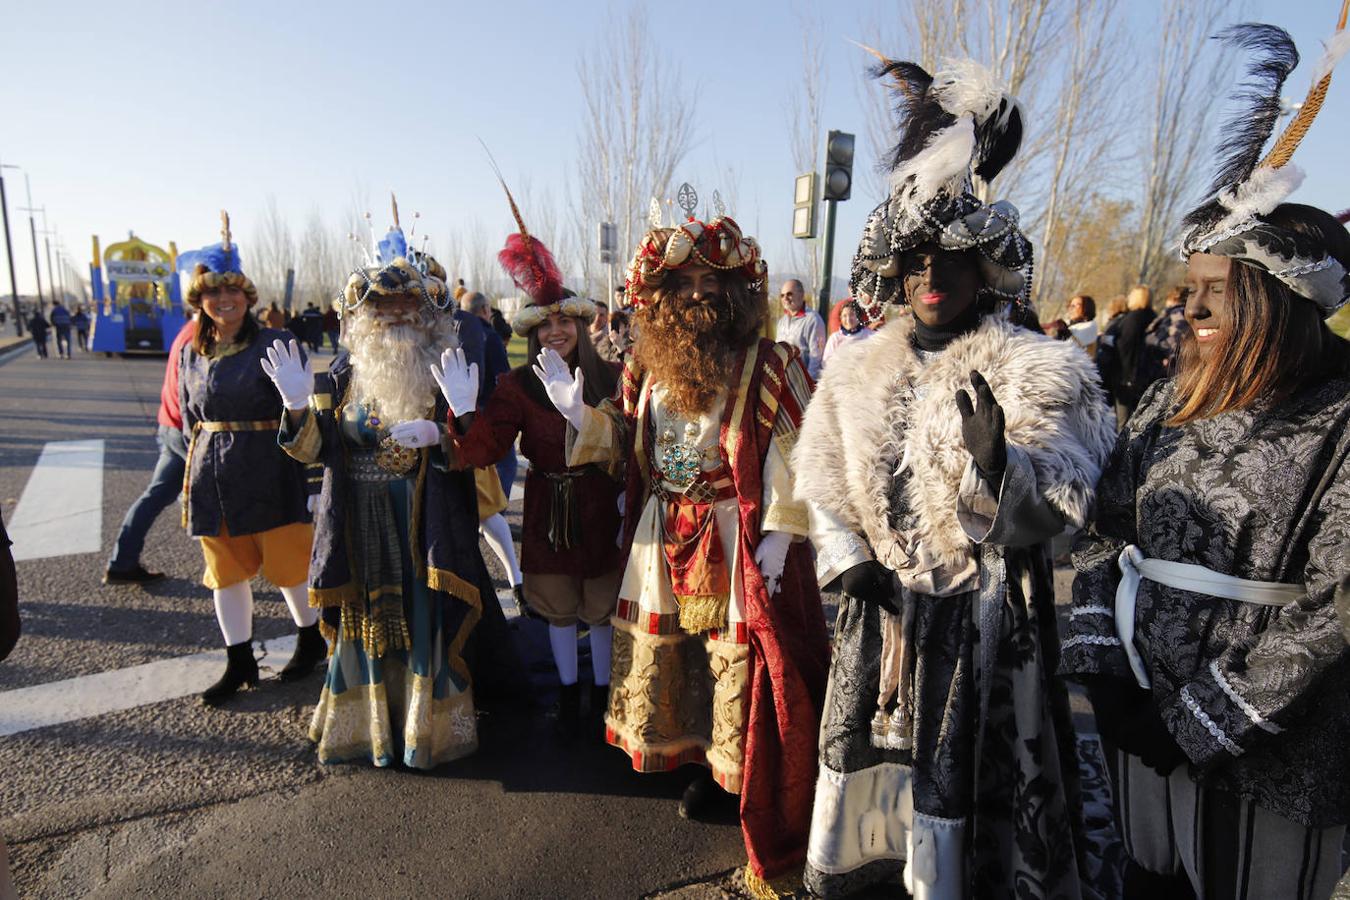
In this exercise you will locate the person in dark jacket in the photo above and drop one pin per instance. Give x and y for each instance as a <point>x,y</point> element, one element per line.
<point>38,328</point>
<point>81,322</point>
<point>61,322</point>
<point>1129,382</point>
<point>243,497</point>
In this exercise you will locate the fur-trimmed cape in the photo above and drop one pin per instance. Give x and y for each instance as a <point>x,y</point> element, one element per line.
<point>859,426</point>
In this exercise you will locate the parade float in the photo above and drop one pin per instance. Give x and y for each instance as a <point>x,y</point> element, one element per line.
<point>139,307</point>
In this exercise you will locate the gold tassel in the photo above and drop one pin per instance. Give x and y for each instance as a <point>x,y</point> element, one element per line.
<point>782,887</point>
<point>699,614</point>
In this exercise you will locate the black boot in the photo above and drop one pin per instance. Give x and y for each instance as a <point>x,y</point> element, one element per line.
<point>569,710</point>
<point>599,704</point>
<point>310,650</point>
<point>705,801</point>
<point>241,670</point>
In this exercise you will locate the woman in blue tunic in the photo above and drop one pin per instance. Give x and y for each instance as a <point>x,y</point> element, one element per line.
<point>242,496</point>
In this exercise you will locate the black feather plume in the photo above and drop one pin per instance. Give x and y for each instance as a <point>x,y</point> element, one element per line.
<point>1244,135</point>
<point>918,110</point>
<point>997,140</point>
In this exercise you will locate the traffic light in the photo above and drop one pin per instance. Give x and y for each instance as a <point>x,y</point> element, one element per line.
<point>838,166</point>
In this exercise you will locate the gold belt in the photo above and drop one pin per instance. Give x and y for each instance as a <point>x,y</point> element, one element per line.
<point>213,428</point>
<point>698,491</point>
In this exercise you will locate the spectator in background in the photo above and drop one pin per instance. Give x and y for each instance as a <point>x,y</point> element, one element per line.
<point>1129,380</point>
<point>1106,346</point>
<point>619,332</point>
<point>801,327</point>
<point>851,330</point>
<point>460,290</point>
<point>61,322</point>
<point>332,326</point>
<point>38,328</point>
<point>295,324</point>
<point>621,303</point>
<point>501,326</point>
<point>1082,325</point>
<point>313,319</point>
<point>1162,343</point>
<point>599,334</point>
<point>166,484</point>
<point>81,322</point>
<point>273,317</point>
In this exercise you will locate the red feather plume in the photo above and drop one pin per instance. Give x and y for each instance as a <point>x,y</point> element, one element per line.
<point>532,268</point>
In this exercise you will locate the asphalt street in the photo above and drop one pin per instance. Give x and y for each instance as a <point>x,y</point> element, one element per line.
<point>170,799</point>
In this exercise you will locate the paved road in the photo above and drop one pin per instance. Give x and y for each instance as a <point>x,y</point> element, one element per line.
<point>170,799</point>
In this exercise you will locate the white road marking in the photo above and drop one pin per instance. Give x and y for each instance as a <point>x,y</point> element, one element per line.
<point>73,699</point>
<point>61,510</point>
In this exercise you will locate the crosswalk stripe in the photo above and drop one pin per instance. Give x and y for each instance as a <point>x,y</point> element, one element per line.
<point>61,510</point>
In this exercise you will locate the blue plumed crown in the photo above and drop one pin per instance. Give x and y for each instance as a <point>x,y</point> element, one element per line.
<point>217,266</point>
<point>393,268</point>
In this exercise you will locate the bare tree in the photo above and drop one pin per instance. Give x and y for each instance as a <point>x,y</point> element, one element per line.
<point>804,114</point>
<point>636,131</point>
<point>1185,81</point>
<point>274,252</point>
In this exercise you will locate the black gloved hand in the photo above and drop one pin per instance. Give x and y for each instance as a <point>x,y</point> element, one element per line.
<point>982,427</point>
<point>869,582</point>
<point>1127,718</point>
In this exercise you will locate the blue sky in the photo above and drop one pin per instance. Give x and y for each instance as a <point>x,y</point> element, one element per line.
<point>152,116</point>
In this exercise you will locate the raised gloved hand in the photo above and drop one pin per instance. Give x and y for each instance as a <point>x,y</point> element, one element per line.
<point>458,380</point>
<point>564,388</point>
<point>416,434</point>
<point>869,582</point>
<point>290,372</point>
<point>771,556</point>
<point>982,428</point>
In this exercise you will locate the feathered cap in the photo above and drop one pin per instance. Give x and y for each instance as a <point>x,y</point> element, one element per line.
<point>394,269</point>
<point>218,266</point>
<point>535,272</point>
<point>718,244</point>
<point>1248,186</point>
<point>956,122</point>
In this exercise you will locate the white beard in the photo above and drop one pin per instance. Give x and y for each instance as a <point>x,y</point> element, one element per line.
<point>391,364</point>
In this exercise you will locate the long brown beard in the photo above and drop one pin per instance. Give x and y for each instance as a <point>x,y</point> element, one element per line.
<point>688,347</point>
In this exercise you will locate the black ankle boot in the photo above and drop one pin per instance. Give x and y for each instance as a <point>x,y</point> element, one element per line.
<point>569,710</point>
<point>310,650</point>
<point>705,801</point>
<point>241,670</point>
<point>599,704</point>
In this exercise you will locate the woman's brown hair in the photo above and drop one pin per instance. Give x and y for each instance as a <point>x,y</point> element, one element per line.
<point>1278,340</point>
<point>204,340</point>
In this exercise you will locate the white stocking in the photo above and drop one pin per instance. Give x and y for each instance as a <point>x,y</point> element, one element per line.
<point>563,640</point>
<point>601,638</point>
<point>297,598</point>
<point>498,536</point>
<point>234,612</point>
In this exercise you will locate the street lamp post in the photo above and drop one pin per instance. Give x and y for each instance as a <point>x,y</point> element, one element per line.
<point>47,243</point>
<point>32,230</point>
<point>838,185</point>
<point>9,253</point>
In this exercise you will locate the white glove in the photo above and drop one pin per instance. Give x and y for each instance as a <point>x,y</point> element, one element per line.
<point>416,434</point>
<point>312,504</point>
<point>458,379</point>
<point>771,556</point>
<point>290,372</point>
<point>562,387</point>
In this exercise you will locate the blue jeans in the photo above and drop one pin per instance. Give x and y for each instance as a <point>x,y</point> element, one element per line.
<point>165,486</point>
<point>63,340</point>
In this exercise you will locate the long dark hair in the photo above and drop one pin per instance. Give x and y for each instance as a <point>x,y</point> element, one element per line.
<point>1278,340</point>
<point>601,377</point>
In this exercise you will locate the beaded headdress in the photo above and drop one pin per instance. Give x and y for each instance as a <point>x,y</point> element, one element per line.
<point>956,123</point>
<point>1248,186</point>
<point>392,268</point>
<point>218,266</point>
<point>718,244</point>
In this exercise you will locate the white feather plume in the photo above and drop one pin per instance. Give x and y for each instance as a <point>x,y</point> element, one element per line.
<point>1335,48</point>
<point>964,87</point>
<point>1266,189</point>
<point>943,163</point>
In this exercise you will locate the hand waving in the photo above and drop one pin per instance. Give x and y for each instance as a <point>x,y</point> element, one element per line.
<point>458,379</point>
<point>562,387</point>
<point>290,372</point>
<point>771,557</point>
<point>982,427</point>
